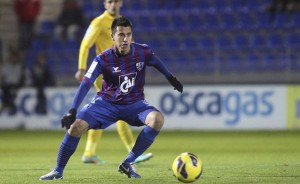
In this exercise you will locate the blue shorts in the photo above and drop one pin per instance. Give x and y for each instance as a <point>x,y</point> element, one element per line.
<point>100,114</point>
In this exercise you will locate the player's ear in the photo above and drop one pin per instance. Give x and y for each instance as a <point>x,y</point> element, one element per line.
<point>112,37</point>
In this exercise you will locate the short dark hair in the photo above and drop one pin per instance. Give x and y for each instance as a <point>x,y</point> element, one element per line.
<point>120,21</point>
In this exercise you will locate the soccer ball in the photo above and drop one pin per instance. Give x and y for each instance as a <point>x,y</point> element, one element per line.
<point>187,167</point>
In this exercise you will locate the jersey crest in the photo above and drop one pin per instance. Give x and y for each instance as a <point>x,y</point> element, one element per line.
<point>139,65</point>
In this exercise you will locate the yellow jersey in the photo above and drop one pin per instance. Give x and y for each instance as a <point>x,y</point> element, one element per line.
<point>98,33</point>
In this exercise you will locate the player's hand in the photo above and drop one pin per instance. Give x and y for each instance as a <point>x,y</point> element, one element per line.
<point>79,74</point>
<point>174,82</point>
<point>68,119</point>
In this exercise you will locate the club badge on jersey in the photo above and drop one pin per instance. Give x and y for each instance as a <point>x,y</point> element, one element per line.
<point>139,65</point>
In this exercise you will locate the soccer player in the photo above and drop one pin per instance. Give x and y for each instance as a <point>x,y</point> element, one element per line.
<point>99,33</point>
<point>123,68</point>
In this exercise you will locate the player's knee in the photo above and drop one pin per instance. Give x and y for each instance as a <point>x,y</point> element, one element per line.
<point>78,128</point>
<point>160,120</point>
<point>155,120</point>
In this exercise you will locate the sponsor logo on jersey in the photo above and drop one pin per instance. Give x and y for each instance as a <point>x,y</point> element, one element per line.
<point>127,81</point>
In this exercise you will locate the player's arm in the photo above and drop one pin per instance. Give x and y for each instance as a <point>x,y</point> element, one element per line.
<point>69,118</point>
<point>88,40</point>
<point>85,85</point>
<point>159,65</point>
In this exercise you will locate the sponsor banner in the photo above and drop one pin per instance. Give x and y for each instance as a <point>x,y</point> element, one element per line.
<point>293,106</point>
<point>58,103</point>
<point>198,107</point>
<point>221,107</point>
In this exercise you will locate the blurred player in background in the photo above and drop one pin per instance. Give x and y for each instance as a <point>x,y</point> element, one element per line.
<point>99,33</point>
<point>122,97</point>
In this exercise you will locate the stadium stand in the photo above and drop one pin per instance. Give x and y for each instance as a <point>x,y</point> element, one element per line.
<point>199,38</point>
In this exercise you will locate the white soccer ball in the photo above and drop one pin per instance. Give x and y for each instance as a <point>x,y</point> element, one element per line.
<point>187,167</point>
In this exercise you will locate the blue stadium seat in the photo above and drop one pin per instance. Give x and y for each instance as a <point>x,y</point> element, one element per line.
<point>263,20</point>
<point>293,39</point>
<point>276,39</point>
<point>195,21</point>
<point>273,61</point>
<point>172,5</point>
<point>231,62</point>
<point>237,5</point>
<point>282,20</point>
<point>258,5</point>
<point>190,42</point>
<point>252,61</point>
<point>295,19</point>
<point>204,5</point>
<point>46,28</point>
<point>56,45</point>
<point>136,5</point>
<point>259,40</point>
<point>39,45</point>
<point>221,5</point>
<point>166,57</point>
<point>145,23</point>
<point>202,62</point>
<point>294,60</point>
<point>162,22</point>
<point>241,40</point>
<point>229,21</point>
<point>246,20</point>
<point>155,43</point>
<point>224,41</point>
<point>88,9</point>
<point>211,21</point>
<point>72,45</point>
<point>153,5</point>
<point>134,20</point>
<point>179,22</point>
<point>69,60</point>
<point>187,5</point>
<point>172,43</point>
<point>206,42</point>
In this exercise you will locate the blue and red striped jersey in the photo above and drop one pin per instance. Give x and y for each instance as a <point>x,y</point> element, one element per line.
<point>123,75</point>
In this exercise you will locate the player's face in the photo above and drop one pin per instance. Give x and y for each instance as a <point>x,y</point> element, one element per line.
<point>113,6</point>
<point>122,39</point>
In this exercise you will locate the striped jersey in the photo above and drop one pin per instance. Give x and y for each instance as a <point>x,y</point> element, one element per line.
<point>123,75</point>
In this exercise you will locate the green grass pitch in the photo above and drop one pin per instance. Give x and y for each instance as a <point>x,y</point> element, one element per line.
<point>228,157</point>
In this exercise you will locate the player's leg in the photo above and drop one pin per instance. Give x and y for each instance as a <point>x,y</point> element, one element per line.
<point>89,154</point>
<point>154,120</point>
<point>67,148</point>
<point>125,134</point>
<point>97,112</point>
<point>127,138</point>
<point>93,138</point>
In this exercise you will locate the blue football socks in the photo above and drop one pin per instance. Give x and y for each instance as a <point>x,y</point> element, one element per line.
<point>67,148</point>
<point>143,142</point>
